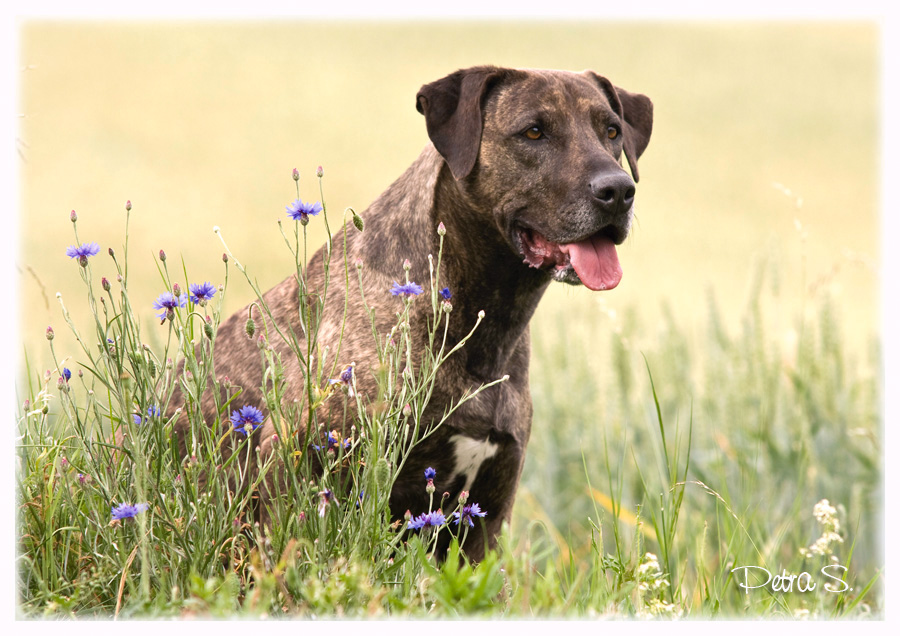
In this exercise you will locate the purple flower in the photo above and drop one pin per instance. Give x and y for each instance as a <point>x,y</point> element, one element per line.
<point>300,211</point>
<point>334,440</point>
<point>201,293</point>
<point>431,519</point>
<point>127,511</point>
<point>346,378</point>
<point>246,420</point>
<point>325,497</point>
<point>407,290</point>
<point>66,374</point>
<point>82,252</point>
<point>445,293</point>
<point>469,511</point>
<point>167,302</point>
<point>430,474</point>
<point>152,411</point>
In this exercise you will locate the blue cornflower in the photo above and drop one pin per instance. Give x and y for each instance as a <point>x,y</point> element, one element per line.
<point>445,293</point>
<point>246,420</point>
<point>430,474</point>
<point>334,440</point>
<point>166,302</point>
<point>201,293</point>
<point>127,511</point>
<point>82,252</point>
<point>469,511</point>
<point>326,497</point>
<point>152,411</point>
<point>346,378</point>
<point>300,211</point>
<point>66,374</point>
<point>431,519</point>
<point>407,290</point>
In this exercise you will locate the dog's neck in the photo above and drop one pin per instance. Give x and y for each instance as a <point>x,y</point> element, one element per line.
<point>483,273</point>
<point>477,264</point>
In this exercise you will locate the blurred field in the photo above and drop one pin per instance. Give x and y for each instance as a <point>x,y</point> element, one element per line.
<point>200,124</point>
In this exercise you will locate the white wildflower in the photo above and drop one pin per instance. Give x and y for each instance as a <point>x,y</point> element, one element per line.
<point>826,516</point>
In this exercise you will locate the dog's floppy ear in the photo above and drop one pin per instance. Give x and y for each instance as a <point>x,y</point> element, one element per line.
<point>636,111</point>
<point>452,109</point>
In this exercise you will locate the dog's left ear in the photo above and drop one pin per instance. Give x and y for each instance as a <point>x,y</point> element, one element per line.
<point>636,111</point>
<point>452,109</point>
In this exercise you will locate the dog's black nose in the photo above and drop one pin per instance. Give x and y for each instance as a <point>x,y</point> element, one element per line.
<point>613,192</point>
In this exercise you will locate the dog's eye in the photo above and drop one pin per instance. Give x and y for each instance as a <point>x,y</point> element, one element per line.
<point>534,133</point>
<point>612,132</point>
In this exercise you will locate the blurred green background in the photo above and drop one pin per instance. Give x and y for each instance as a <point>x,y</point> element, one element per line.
<point>200,124</point>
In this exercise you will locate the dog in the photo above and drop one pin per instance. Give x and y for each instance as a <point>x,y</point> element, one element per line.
<point>524,171</point>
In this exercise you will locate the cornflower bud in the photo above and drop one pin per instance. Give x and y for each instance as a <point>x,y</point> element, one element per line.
<point>319,172</point>
<point>50,334</point>
<point>250,328</point>
<point>296,174</point>
<point>73,217</point>
<point>104,284</point>
<point>128,206</point>
<point>162,256</point>
<point>441,229</point>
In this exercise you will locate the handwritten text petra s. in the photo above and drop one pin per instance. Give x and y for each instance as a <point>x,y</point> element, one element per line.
<point>787,582</point>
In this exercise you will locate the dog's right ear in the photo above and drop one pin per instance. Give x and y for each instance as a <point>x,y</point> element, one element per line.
<point>453,117</point>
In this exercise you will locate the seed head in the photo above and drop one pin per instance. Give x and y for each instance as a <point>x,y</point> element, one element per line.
<point>358,221</point>
<point>382,473</point>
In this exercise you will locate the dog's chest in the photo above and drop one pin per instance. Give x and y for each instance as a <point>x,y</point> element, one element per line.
<point>469,454</point>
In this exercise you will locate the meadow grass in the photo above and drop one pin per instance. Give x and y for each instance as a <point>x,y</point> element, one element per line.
<point>656,471</point>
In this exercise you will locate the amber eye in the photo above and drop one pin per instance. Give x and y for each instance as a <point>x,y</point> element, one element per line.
<point>612,132</point>
<point>534,133</point>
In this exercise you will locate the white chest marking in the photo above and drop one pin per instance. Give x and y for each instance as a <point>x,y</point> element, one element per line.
<point>470,454</point>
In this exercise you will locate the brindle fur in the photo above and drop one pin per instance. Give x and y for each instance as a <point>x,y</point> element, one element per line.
<point>479,177</point>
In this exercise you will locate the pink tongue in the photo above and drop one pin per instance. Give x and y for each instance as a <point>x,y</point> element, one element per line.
<point>595,261</point>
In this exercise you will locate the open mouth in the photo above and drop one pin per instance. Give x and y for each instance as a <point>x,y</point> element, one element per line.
<point>593,259</point>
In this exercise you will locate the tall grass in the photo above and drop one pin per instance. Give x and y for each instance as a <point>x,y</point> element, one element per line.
<point>656,470</point>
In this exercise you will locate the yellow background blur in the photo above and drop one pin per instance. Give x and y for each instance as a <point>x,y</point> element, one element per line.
<point>200,124</point>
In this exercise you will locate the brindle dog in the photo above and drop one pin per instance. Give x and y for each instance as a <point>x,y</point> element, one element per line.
<point>524,170</point>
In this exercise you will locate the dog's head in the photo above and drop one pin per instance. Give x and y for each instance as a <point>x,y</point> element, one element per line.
<point>540,152</point>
